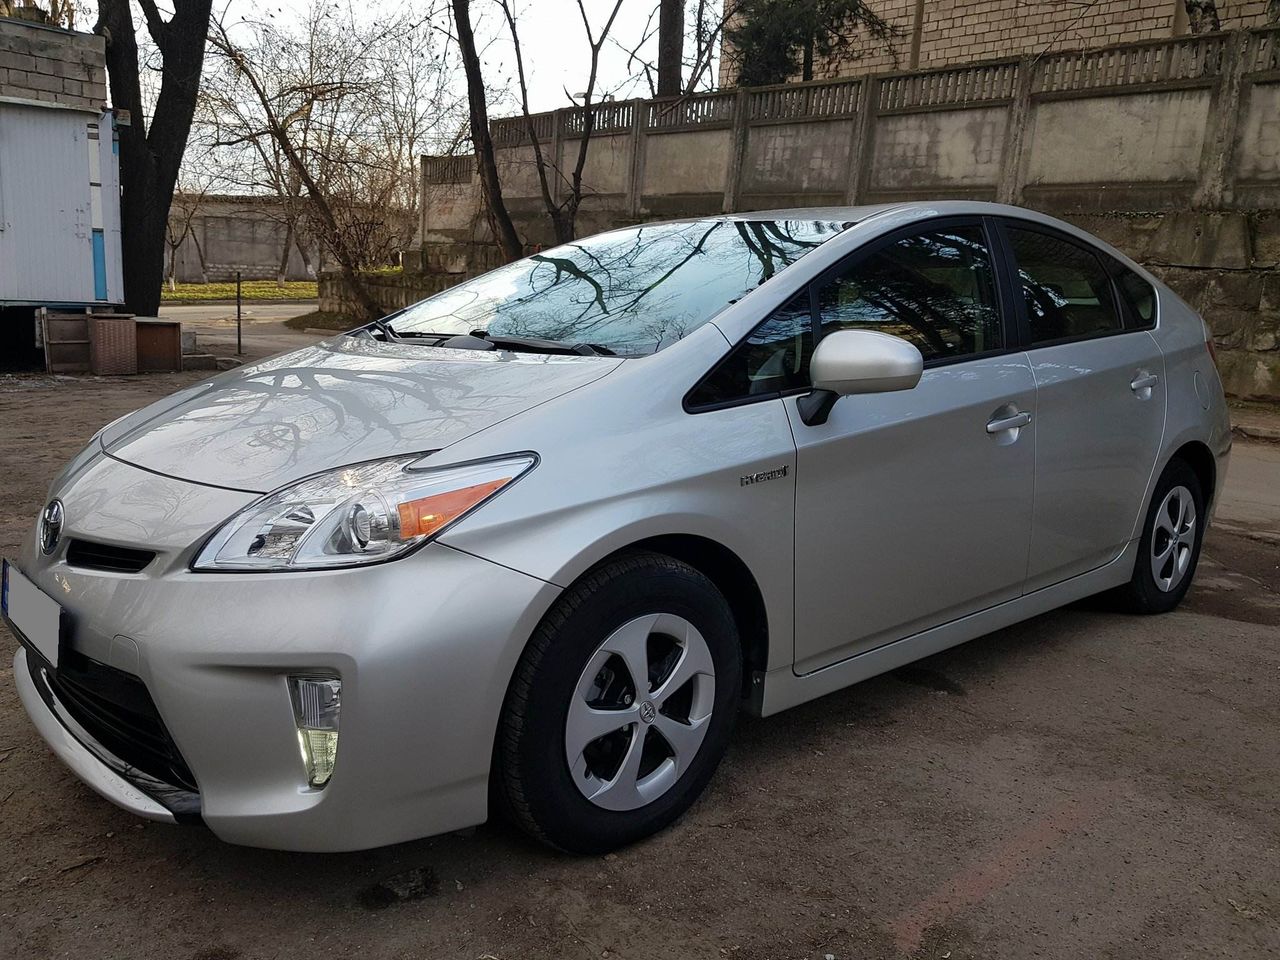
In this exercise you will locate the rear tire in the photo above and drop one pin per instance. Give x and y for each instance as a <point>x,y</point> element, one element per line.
<point>1169,550</point>
<point>590,759</point>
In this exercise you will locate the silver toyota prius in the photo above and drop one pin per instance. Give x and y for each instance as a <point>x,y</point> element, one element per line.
<point>532,543</point>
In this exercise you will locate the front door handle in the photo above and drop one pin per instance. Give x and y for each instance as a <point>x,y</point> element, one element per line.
<point>1009,423</point>
<point>1144,382</point>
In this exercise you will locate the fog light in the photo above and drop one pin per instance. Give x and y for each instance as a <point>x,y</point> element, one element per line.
<point>316,704</point>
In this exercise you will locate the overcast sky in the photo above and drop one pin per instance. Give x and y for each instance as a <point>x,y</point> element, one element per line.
<point>556,53</point>
<point>557,57</point>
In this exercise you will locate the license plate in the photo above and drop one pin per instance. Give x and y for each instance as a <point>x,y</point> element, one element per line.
<point>35,614</point>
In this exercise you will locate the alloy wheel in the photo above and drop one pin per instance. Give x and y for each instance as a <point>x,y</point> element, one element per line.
<point>640,711</point>
<point>1173,538</point>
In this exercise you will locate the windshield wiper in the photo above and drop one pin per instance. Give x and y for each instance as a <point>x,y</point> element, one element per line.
<point>483,340</point>
<point>392,334</point>
<point>539,345</point>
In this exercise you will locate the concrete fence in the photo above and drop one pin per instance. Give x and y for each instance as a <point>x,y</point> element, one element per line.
<point>1170,149</point>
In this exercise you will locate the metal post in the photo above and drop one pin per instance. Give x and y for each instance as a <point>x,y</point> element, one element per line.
<point>239,344</point>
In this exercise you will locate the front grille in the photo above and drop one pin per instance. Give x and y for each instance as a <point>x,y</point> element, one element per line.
<point>104,556</point>
<point>115,708</point>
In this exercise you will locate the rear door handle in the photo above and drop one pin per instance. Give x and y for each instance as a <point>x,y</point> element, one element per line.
<point>1009,423</point>
<point>1144,382</point>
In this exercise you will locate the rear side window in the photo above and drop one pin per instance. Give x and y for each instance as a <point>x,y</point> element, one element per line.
<point>1066,288</point>
<point>773,359</point>
<point>1139,296</point>
<point>935,289</point>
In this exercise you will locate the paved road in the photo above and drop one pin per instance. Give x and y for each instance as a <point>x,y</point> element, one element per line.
<point>1251,505</point>
<point>263,332</point>
<point>193,312</point>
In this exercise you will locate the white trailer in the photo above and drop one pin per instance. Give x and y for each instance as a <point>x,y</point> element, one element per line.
<point>59,183</point>
<point>59,208</point>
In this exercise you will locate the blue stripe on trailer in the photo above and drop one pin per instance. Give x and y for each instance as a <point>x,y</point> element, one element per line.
<point>99,266</point>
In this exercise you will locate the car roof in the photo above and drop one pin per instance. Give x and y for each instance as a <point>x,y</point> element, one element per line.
<point>845,214</point>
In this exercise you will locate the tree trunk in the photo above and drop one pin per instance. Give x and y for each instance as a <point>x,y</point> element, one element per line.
<point>807,67</point>
<point>670,47</point>
<point>504,230</point>
<point>283,272</point>
<point>1202,16</point>
<point>149,161</point>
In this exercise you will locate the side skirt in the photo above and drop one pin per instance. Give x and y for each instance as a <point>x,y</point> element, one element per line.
<point>782,689</point>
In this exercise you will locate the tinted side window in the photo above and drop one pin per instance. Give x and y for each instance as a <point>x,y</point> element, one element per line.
<point>935,289</point>
<point>774,358</point>
<point>1067,290</point>
<point>1139,296</point>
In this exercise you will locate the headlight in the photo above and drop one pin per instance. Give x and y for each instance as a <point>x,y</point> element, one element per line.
<point>358,514</point>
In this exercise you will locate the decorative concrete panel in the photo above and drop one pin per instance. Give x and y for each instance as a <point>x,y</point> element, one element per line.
<point>1139,137</point>
<point>947,148</point>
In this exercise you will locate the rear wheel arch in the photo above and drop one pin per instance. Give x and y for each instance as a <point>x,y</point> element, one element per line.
<point>1199,458</point>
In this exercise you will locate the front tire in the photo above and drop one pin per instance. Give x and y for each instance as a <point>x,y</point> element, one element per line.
<point>1170,547</point>
<point>621,706</point>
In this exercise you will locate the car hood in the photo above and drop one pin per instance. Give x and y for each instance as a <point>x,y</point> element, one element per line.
<point>338,402</point>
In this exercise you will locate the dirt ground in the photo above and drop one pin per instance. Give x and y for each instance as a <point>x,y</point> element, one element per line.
<point>1084,785</point>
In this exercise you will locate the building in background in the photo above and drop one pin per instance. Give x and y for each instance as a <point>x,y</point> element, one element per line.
<point>59,180</point>
<point>943,33</point>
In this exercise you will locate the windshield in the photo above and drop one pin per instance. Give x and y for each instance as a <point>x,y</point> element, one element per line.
<point>629,292</point>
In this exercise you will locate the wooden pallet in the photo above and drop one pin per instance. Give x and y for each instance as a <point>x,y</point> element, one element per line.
<point>66,338</point>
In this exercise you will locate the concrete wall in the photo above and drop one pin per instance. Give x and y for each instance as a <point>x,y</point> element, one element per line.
<point>1183,132</point>
<point>247,234</point>
<point>49,65</point>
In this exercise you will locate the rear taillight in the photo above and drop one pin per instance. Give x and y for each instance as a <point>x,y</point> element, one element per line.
<point>1208,344</point>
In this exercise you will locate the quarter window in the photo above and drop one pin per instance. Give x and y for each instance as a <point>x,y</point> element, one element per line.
<point>1139,295</point>
<point>935,289</point>
<point>773,359</point>
<point>1066,289</point>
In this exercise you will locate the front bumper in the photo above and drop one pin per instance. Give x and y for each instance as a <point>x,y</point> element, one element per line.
<point>425,647</point>
<point>78,749</point>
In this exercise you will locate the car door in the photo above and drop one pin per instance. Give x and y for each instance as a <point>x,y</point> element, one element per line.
<point>1100,402</point>
<point>914,508</point>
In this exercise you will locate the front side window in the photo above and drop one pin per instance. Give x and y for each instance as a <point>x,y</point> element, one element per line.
<point>774,358</point>
<point>629,292</point>
<point>1065,287</point>
<point>935,289</point>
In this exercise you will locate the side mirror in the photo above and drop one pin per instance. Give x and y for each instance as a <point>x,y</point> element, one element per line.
<point>848,362</point>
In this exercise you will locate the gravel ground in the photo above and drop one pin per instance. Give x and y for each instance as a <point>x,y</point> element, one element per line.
<point>1081,785</point>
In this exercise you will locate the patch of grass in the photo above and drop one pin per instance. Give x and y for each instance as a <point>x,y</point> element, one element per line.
<point>322,320</point>
<point>249,290</point>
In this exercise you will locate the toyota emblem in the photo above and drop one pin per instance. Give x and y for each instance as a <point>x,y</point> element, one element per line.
<point>50,527</point>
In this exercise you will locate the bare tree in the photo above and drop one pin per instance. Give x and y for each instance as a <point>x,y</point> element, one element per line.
<point>187,203</point>
<point>151,149</point>
<point>329,115</point>
<point>699,45</point>
<point>670,47</point>
<point>504,230</point>
<point>563,213</point>
<point>59,13</point>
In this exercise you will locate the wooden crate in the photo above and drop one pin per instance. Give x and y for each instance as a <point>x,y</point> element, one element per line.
<point>66,341</point>
<point>159,345</point>
<point>113,345</point>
